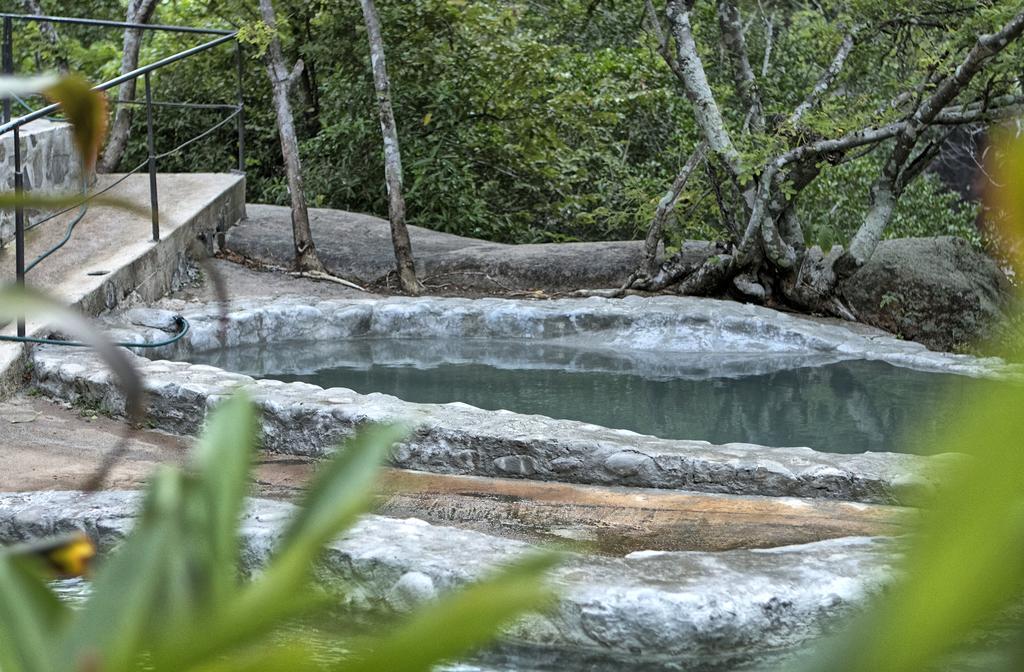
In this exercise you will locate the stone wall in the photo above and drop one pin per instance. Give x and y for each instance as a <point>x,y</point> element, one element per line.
<point>50,163</point>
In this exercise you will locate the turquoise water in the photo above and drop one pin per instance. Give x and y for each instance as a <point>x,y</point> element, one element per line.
<point>776,400</point>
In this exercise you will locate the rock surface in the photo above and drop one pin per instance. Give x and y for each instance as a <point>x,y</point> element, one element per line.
<point>634,332</point>
<point>358,247</point>
<point>937,291</point>
<point>686,606</point>
<point>49,163</point>
<point>303,419</point>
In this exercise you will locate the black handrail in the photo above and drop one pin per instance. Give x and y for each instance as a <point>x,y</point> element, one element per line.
<point>42,18</point>
<point>117,81</point>
<point>15,125</point>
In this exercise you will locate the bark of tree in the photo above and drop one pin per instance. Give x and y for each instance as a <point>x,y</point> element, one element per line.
<point>306,257</point>
<point>139,11</point>
<point>665,208</point>
<point>392,155</point>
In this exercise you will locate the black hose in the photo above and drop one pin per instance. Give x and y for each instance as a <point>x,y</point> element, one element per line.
<point>183,328</point>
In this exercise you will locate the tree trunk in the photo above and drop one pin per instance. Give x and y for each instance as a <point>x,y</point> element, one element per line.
<point>306,258</point>
<point>392,155</point>
<point>139,11</point>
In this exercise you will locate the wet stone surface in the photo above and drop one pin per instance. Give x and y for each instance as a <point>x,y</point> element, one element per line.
<point>302,419</point>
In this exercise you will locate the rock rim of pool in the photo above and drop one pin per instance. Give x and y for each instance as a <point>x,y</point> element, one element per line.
<point>632,327</point>
<point>680,605</point>
<point>455,438</point>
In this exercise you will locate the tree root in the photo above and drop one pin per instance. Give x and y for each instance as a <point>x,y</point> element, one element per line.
<point>326,277</point>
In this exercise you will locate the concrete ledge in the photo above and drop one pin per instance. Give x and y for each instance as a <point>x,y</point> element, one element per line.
<point>686,607</point>
<point>117,243</point>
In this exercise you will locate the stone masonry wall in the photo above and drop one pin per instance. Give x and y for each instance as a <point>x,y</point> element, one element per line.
<point>49,163</point>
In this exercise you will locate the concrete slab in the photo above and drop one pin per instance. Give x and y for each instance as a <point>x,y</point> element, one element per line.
<point>111,258</point>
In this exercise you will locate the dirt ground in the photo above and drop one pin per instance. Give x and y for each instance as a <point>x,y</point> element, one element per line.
<point>47,446</point>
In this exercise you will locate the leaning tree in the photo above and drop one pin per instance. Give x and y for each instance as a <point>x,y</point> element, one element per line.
<point>893,79</point>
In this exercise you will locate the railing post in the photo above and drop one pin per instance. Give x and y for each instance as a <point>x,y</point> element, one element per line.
<point>8,61</point>
<point>153,205</point>
<point>19,222</point>
<point>241,106</point>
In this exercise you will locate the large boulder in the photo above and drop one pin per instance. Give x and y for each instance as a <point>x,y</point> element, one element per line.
<point>938,291</point>
<point>358,247</point>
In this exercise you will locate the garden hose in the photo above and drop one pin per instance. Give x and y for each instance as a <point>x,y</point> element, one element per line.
<point>183,328</point>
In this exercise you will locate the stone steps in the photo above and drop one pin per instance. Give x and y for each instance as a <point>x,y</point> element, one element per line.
<point>111,259</point>
<point>680,606</point>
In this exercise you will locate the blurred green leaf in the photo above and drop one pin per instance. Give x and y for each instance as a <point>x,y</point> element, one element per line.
<point>342,489</point>
<point>9,200</point>
<point>16,302</point>
<point>964,566</point>
<point>86,109</point>
<point>222,461</point>
<point>30,615</point>
<point>24,86</point>
<point>116,624</point>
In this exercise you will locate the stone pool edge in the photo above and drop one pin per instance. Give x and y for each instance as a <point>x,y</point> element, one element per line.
<point>664,324</point>
<point>455,438</point>
<point>679,604</point>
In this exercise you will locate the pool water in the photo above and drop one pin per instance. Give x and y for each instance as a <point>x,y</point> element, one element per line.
<point>773,399</point>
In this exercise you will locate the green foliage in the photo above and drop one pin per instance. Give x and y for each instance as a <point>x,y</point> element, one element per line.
<point>512,127</point>
<point>521,122</point>
<point>834,205</point>
<point>170,597</point>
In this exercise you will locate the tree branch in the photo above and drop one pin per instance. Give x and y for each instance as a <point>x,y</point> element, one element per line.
<point>731,24</point>
<point>665,207</point>
<point>664,48</point>
<point>698,90</point>
<point>885,189</point>
<point>1004,107</point>
<point>769,38</point>
<point>826,80</point>
<point>296,74</point>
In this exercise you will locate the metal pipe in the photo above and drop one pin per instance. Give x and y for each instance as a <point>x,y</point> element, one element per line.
<point>114,24</point>
<point>117,81</point>
<point>241,107</point>
<point>19,223</point>
<point>153,205</point>
<point>8,62</point>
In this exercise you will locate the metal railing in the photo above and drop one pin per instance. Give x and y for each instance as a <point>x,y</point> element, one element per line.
<point>9,125</point>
